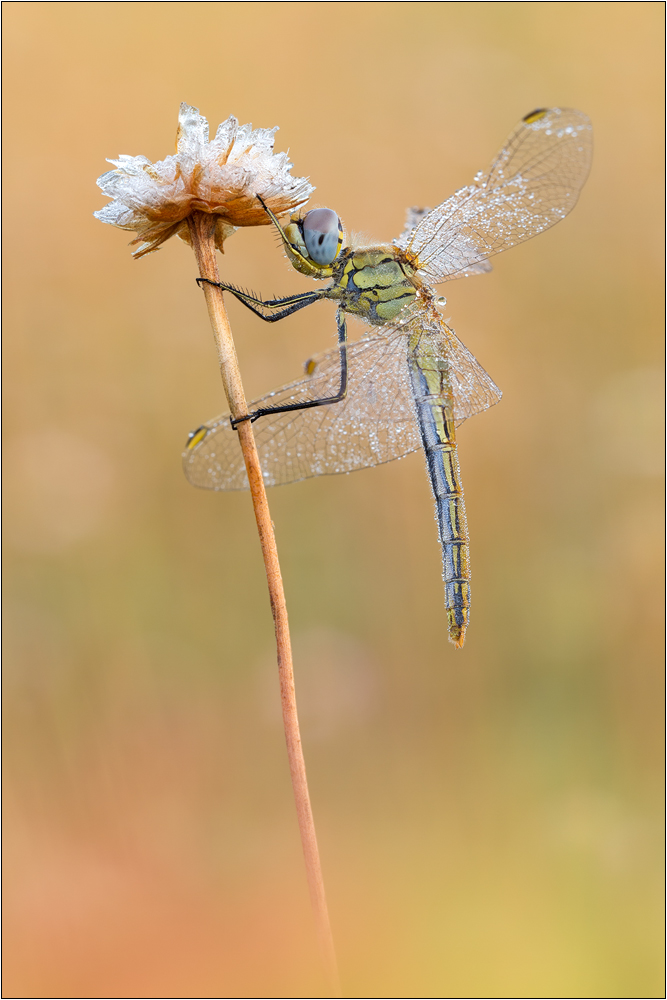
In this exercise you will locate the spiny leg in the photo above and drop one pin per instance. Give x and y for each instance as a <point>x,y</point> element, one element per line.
<point>308,403</point>
<point>290,303</point>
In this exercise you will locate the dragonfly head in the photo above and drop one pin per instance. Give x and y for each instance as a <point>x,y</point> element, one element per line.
<point>318,236</point>
<point>312,242</point>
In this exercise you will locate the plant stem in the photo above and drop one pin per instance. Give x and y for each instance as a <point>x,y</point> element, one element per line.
<point>201,231</point>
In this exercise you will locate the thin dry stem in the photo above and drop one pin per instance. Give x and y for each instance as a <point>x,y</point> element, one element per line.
<point>202,233</point>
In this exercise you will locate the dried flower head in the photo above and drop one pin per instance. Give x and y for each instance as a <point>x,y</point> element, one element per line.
<point>222,177</point>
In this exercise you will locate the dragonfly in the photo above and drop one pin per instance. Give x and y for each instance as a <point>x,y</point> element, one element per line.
<point>408,382</point>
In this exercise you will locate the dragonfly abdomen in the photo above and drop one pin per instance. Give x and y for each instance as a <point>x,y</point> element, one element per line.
<point>436,425</point>
<point>443,467</point>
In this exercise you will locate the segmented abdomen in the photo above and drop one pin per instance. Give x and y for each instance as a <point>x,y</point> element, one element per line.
<point>434,406</point>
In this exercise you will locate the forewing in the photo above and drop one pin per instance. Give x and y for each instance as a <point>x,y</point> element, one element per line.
<point>413,216</point>
<point>533,183</point>
<point>375,423</point>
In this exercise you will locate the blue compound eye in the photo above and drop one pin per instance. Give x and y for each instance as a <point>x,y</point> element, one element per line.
<point>322,234</point>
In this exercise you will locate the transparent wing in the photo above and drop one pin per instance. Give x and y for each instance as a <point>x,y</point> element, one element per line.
<point>374,424</point>
<point>533,183</point>
<point>473,388</point>
<point>413,216</point>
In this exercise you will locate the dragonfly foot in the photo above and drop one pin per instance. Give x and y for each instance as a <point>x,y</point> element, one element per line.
<point>235,421</point>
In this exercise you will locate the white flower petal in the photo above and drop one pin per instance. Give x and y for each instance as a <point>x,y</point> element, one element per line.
<point>192,133</point>
<point>117,214</point>
<point>225,134</point>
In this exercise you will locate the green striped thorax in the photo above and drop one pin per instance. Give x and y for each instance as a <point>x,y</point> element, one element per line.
<point>374,283</point>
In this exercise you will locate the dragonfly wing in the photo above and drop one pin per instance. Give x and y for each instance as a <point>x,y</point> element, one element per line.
<point>473,389</point>
<point>375,423</point>
<point>413,217</point>
<point>533,183</point>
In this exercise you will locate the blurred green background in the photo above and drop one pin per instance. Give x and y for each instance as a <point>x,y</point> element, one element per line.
<point>489,819</point>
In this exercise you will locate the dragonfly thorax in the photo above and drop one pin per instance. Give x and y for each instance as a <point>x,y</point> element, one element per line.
<point>374,283</point>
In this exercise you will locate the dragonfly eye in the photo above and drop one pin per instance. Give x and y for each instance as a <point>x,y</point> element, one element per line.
<point>322,234</point>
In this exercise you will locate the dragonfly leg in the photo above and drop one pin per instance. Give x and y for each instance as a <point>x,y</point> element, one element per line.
<point>306,404</point>
<point>286,306</point>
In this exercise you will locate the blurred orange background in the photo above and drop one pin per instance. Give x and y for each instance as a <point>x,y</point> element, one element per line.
<point>489,819</point>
